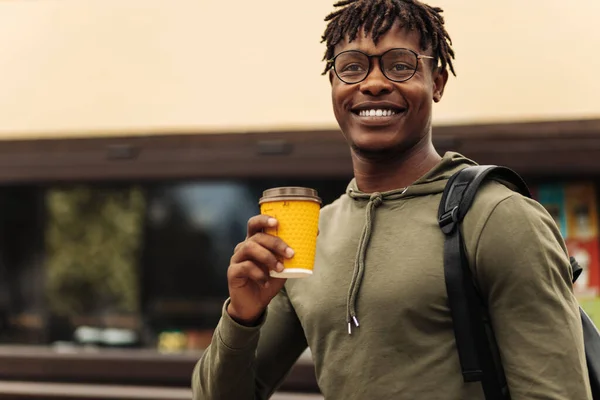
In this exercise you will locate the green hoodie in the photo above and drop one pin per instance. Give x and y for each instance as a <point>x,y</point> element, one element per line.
<point>375,312</point>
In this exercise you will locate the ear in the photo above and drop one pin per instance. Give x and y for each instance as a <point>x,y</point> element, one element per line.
<point>440,77</point>
<point>331,74</point>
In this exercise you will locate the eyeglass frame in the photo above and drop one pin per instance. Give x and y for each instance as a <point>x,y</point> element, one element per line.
<point>378,57</point>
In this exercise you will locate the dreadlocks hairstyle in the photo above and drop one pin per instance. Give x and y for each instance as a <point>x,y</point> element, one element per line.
<point>376,17</point>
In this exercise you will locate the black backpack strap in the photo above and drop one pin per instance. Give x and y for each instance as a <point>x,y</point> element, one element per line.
<point>463,186</point>
<point>472,330</point>
<point>591,339</point>
<point>576,268</point>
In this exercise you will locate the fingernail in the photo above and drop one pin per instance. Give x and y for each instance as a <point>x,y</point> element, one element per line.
<point>279,267</point>
<point>266,285</point>
<point>272,222</point>
<point>289,252</point>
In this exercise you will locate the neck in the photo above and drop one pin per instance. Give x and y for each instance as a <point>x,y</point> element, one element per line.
<point>394,173</point>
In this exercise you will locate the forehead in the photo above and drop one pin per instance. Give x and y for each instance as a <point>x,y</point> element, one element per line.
<point>397,36</point>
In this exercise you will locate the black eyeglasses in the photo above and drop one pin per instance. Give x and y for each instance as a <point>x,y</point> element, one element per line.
<point>398,65</point>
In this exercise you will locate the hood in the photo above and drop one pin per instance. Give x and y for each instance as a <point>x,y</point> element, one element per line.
<point>433,182</point>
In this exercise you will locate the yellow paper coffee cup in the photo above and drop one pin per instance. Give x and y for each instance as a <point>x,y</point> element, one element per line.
<point>297,210</point>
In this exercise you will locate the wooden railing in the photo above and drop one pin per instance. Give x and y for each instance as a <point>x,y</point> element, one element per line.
<point>120,368</point>
<point>70,391</point>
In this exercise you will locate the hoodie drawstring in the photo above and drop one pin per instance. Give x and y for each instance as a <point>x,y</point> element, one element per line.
<point>375,200</point>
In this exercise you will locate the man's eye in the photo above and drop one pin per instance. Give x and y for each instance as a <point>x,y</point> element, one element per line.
<point>401,67</point>
<point>353,68</point>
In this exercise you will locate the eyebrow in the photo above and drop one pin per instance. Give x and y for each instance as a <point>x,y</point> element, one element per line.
<point>383,51</point>
<point>418,51</point>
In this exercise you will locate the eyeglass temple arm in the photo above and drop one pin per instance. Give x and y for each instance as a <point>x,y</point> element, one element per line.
<point>418,56</point>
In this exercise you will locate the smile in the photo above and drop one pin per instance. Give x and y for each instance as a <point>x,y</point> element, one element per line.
<point>377,117</point>
<point>376,113</point>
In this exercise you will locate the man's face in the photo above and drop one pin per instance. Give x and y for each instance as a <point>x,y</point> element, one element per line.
<point>410,100</point>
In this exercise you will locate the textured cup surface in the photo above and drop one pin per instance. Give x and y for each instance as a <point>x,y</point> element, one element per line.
<point>298,217</point>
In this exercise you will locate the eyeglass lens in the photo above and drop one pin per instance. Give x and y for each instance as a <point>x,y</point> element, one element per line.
<point>397,65</point>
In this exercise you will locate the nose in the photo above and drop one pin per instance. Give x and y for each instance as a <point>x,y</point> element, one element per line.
<point>376,84</point>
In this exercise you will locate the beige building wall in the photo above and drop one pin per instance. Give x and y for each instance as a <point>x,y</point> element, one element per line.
<point>73,67</point>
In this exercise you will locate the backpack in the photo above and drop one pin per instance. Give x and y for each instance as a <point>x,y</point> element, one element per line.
<point>478,353</point>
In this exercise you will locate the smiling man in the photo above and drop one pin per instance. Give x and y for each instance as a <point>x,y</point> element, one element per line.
<point>375,313</point>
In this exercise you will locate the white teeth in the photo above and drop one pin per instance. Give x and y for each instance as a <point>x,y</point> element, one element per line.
<point>376,113</point>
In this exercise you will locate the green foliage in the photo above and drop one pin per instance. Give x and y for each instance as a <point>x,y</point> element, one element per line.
<point>93,237</point>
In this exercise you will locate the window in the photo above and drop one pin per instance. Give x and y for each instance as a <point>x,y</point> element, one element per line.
<point>138,260</point>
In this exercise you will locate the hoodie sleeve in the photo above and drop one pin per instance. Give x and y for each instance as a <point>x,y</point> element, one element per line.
<point>249,363</point>
<point>522,268</point>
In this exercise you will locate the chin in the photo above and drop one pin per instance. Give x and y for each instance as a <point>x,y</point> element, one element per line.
<point>373,152</point>
<point>376,141</point>
<point>382,149</point>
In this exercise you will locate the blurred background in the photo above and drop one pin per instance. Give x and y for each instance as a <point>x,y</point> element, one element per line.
<point>136,137</point>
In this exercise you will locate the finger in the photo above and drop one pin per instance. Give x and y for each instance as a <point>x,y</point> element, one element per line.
<point>238,246</point>
<point>258,223</point>
<point>255,252</point>
<point>274,244</point>
<point>250,270</point>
